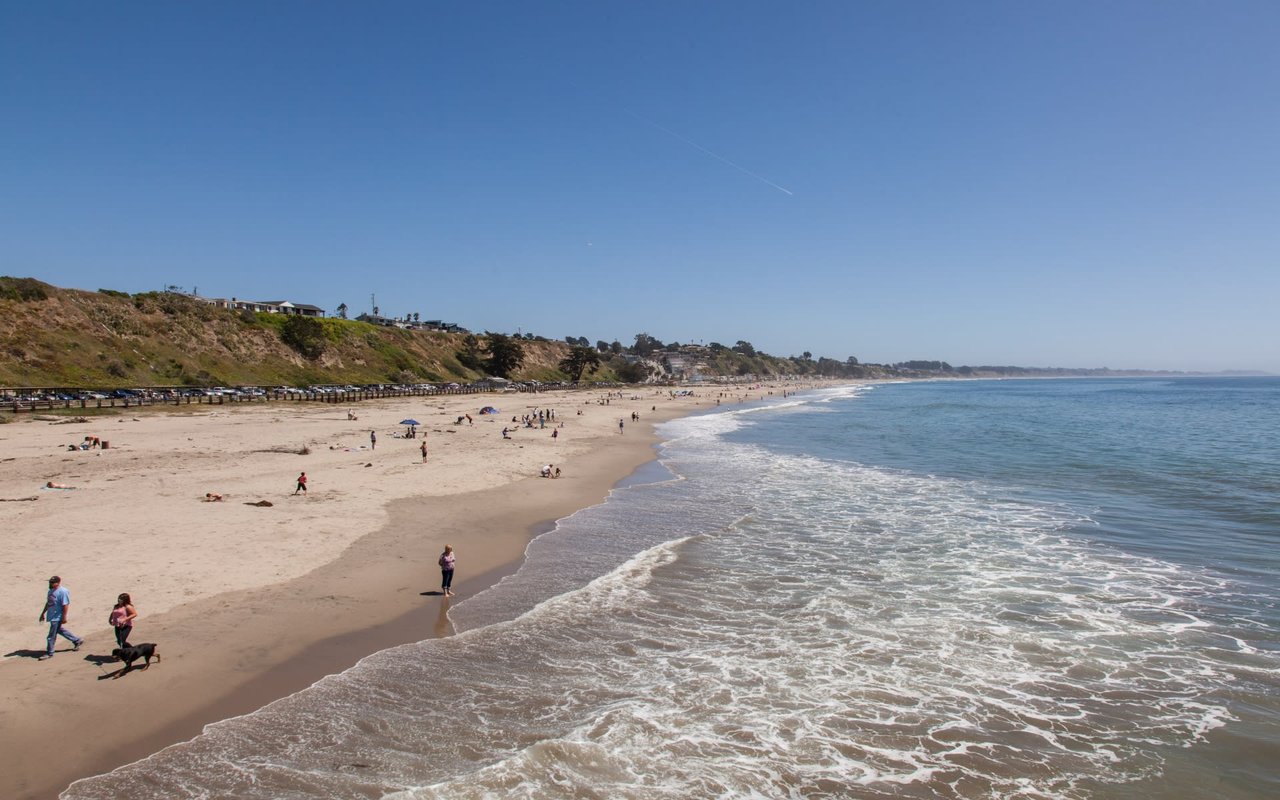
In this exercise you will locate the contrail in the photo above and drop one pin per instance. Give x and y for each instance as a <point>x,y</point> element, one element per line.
<point>691,143</point>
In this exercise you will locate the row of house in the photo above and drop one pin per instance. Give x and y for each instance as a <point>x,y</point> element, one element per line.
<point>410,322</point>
<point>413,324</point>
<point>267,306</point>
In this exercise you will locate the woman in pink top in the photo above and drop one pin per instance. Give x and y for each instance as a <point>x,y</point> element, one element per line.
<point>122,617</point>
<point>446,570</point>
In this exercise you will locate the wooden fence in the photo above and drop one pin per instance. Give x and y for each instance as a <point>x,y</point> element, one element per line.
<point>14,403</point>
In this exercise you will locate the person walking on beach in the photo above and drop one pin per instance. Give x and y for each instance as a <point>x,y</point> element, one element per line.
<point>57,606</point>
<point>620,425</point>
<point>302,484</point>
<point>424,449</point>
<point>121,619</point>
<point>446,570</point>
<point>373,440</point>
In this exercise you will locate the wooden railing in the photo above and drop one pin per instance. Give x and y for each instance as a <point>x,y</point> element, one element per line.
<point>12,399</point>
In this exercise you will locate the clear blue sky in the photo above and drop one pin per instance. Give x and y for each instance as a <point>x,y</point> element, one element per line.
<point>1071,184</point>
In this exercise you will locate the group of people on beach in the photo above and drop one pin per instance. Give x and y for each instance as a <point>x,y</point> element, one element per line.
<point>537,419</point>
<point>57,611</point>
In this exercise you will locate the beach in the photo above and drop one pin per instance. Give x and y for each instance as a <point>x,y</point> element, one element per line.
<point>250,602</point>
<point>907,590</point>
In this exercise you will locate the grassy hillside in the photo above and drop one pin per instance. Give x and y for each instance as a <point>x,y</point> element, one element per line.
<point>66,337</point>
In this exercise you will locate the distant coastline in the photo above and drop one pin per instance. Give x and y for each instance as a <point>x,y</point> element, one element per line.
<point>59,341</point>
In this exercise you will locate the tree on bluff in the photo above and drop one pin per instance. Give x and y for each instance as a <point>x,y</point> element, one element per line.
<point>506,354</point>
<point>304,334</point>
<point>469,355</point>
<point>579,360</point>
<point>646,345</point>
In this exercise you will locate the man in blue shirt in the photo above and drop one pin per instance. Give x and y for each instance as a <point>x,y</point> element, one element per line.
<point>56,608</point>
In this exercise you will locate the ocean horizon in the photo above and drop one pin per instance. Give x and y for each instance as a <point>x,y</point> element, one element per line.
<point>993,588</point>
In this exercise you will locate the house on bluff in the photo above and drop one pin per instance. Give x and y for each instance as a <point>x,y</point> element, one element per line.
<point>267,306</point>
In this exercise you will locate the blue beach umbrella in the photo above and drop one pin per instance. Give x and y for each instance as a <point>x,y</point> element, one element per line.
<point>409,422</point>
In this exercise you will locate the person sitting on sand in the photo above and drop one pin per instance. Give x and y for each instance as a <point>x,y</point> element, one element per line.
<point>506,433</point>
<point>210,497</point>
<point>545,471</point>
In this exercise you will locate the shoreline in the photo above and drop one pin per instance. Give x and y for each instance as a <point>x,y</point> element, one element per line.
<point>231,653</point>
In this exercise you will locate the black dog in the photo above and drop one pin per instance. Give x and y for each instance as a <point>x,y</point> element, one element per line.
<point>133,652</point>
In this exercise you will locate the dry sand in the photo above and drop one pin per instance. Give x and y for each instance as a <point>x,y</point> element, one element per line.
<point>250,603</point>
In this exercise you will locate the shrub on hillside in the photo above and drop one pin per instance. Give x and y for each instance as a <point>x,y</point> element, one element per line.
<point>304,334</point>
<point>24,290</point>
<point>172,304</point>
<point>634,372</point>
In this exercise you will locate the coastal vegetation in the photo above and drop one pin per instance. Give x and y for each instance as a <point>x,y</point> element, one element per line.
<point>55,337</point>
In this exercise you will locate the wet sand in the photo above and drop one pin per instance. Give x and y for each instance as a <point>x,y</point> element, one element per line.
<point>227,652</point>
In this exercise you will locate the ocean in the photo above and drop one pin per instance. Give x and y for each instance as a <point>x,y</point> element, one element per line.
<point>959,589</point>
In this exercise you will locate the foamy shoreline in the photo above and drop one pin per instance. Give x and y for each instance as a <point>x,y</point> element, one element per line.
<point>253,603</point>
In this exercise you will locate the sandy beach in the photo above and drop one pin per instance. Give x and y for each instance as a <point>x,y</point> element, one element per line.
<point>251,602</point>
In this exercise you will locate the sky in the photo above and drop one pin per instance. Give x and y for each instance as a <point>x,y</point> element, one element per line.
<point>1084,184</point>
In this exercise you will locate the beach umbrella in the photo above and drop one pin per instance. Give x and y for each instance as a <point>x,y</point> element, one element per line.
<point>409,422</point>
